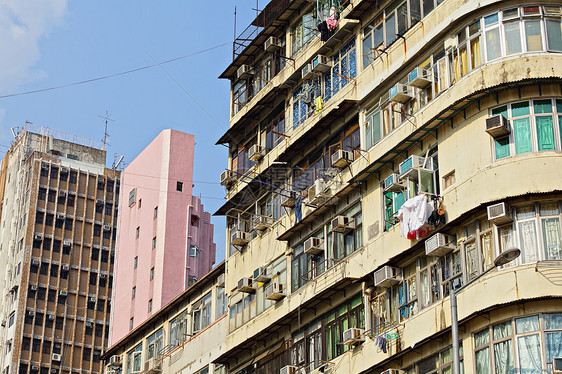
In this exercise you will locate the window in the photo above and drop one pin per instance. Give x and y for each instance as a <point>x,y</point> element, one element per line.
<point>155,212</point>
<point>222,302</point>
<point>150,305</point>
<point>193,251</point>
<point>154,242</point>
<point>349,315</point>
<point>132,196</point>
<point>179,186</point>
<point>449,179</point>
<point>140,204</point>
<point>178,329</point>
<point>441,362</point>
<point>152,273</point>
<point>137,232</point>
<point>134,360</point>
<point>136,262</point>
<point>155,344</point>
<point>131,323</point>
<point>191,280</point>
<point>303,32</point>
<point>11,319</point>
<point>344,68</point>
<point>134,292</point>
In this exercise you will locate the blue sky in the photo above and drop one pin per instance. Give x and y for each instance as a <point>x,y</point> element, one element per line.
<point>52,43</point>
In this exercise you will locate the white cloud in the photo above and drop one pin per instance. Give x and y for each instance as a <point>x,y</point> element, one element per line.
<point>22,26</point>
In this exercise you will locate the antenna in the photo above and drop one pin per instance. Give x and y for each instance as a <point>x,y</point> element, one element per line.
<point>106,134</point>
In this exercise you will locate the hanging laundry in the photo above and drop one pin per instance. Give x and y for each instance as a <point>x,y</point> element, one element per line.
<point>414,216</point>
<point>324,31</point>
<point>319,102</point>
<point>332,21</point>
<point>298,209</point>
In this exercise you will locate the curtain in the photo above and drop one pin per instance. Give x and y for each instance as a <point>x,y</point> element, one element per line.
<point>522,135</point>
<point>463,54</point>
<point>475,53</point>
<point>493,44</point>
<point>512,37</point>
<point>554,34</point>
<point>529,354</point>
<point>551,236</point>
<point>483,361</point>
<point>503,357</point>
<point>553,342</point>
<point>528,237</point>
<point>533,35</point>
<point>502,147</point>
<point>545,133</point>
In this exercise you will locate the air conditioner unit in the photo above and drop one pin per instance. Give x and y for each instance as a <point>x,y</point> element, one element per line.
<point>240,238</point>
<point>244,72</point>
<point>152,366</point>
<point>92,299</point>
<point>400,93</point>
<point>288,199</point>
<point>99,201</point>
<point>272,44</point>
<point>321,63</point>
<point>228,177</point>
<point>306,72</point>
<point>499,213</point>
<point>392,183</point>
<point>88,324</point>
<point>313,246</point>
<point>353,336</point>
<point>62,193</point>
<point>256,152</point>
<point>409,165</point>
<point>261,223</point>
<point>289,369</point>
<point>106,227</point>
<point>35,262</point>
<point>51,317</point>
<point>66,242</point>
<point>260,275</point>
<point>557,365</point>
<point>420,78</point>
<point>343,224</point>
<point>497,126</point>
<point>221,280</point>
<point>30,313</point>
<point>341,158</point>
<point>38,236</point>
<point>274,291</point>
<point>103,276</point>
<point>34,367</point>
<point>439,245</point>
<point>115,360</point>
<point>60,215</point>
<point>387,276</point>
<point>65,267</point>
<point>317,193</point>
<point>63,293</point>
<point>393,371</point>
<point>246,285</point>
<point>57,357</point>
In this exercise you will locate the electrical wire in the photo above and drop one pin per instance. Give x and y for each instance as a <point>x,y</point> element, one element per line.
<point>113,75</point>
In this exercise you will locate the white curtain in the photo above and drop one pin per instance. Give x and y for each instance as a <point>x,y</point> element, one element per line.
<point>483,361</point>
<point>504,357</point>
<point>529,354</point>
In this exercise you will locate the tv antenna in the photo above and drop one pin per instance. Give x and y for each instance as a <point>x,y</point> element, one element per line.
<point>106,134</point>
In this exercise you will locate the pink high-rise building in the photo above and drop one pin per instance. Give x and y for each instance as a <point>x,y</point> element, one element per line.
<point>165,240</point>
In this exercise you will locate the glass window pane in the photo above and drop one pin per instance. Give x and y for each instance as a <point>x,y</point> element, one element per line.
<point>553,343</point>
<point>474,28</point>
<point>545,133</point>
<point>493,44</point>
<point>533,35</point>
<point>483,361</point>
<point>481,338</point>
<point>503,355</point>
<point>427,7</point>
<point>367,53</point>
<point>491,19</point>
<point>502,330</point>
<point>528,240</point>
<point>542,106</point>
<point>522,135</point>
<point>527,211</point>
<point>529,354</point>
<point>390,29</point>
<point>552,239</point>
<point>512,38</point>
<point>502,147</point>
<point>501,110</point>
<point>549,209</point>
<point>520,109</point>
<point>552,321</point>
<point>554,35</point>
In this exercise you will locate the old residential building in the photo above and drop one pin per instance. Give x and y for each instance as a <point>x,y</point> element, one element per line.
<point>57,238</point>
<point>382,163</point>
<point>185,336</point>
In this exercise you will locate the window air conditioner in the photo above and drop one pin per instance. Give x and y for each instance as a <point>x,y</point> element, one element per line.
<point>256,152</point>
<point>99,201</point>
<point>65,267</point>
<point>272,44</point>
<point>343,224</point>
<point>34,367</point>
<point>261,223</point>
<point>88,324</point>
<point>240,238</point>
<point>152,366</point>
<point>313,246</point>
<point>60,215</point>
<point>392,183</point>
<point>409,165</point>
<point>63,293</point>
<point>557,365</point>
<point>103,276</point>
<point>51,317</point>
<point>35,262</point>
<point>246,285</point>
<point>38,236</point>
<point>115,360</point>
<point>321,63</point>
<point>287,199</point>
<point>56,357</point>
<point>244,72</point>
<point>420,78</point>
<point>274,291</point>
<point>289,369</point>
<point>393,371</point>
<point>499,213</point>
<point>400,93</point>
<point>92,299</point>
<point>33,288</point>
<point>62,193</point>
<point>220,280</point>
<point>66,242</point>
<point>30,313</point>
<point>306,72</point>
<point>317,193</point>
<point>341,158</point>
<point>353,336</point>
<point>228,177</point>
<point>106,227</point>
<point>497,126</point>
<point>439,245</point>
<point>260,275</point>
<point>387,276</point>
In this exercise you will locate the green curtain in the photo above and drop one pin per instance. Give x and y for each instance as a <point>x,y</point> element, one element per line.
<point>502,147</point>
<point>522,131</point>
<point>545,133</point>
